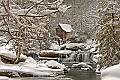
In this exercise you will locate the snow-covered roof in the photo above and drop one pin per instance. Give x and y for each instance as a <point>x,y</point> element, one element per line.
<point>66,27</point>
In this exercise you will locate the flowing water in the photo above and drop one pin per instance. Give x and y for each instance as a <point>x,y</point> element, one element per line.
<point>72,75</point>
<point>83,75</point>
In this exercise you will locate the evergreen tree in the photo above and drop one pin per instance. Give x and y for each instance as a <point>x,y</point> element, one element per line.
<point>107,32</point>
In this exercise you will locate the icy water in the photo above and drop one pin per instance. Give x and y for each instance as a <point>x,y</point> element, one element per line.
<point>72,75</point>
<point>83,75</point>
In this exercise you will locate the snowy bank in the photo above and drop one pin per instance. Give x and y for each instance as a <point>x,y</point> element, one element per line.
<point>4,78</point>
<point>29,68</point>
<point>10,56</point>
<point>111,73</point>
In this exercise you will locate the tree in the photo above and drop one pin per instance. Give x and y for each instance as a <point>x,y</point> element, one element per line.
<point>23,22</point>
<point>107,35</point>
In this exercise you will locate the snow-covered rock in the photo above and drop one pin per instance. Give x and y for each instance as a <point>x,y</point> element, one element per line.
<point>4,51</point>
<point>11,54</point>
<point>55,64</point>
<point>111,73</point>
<point>82,66</point>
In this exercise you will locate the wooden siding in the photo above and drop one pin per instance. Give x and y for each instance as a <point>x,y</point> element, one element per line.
<point>61,33</point>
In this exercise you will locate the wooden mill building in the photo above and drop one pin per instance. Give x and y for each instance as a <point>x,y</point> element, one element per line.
<point>64,31</point>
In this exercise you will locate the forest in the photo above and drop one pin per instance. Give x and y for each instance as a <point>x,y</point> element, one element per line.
<point>54,38</point>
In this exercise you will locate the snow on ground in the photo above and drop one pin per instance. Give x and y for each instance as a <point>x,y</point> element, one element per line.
<point>111,73</point>
<point>30,66</point>
<point>22,69</point>
<point>110,78</point>
<point>31,63</point>
<point>4,78</point>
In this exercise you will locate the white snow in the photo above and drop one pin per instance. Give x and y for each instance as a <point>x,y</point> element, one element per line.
<point>45,12</point>
<point>4,78</point>
<point>4,48</point>
<point>111,73</point>
<point>66,27</point>
<point>2,10</point>
<point>31,63</point>
<point>30,66</point>
<point>96,57</point>
<point>8,54</point>
<point>83,66</point>
<point>63,8</point>
<point>54,46</point>
<point>56,52</point>
<point>92,49</point>
<point>2,37</point>
<point>24,11</point>
<point>110,78</point>
<point>112,2</point>
<point>53,63</point>
<point>36,1</point>
<point>71,45</point>
<point>98,70</point>
<point>4,51</point>
<point>91,42</point>
<point>11,54</point>
<point>58,2</point>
